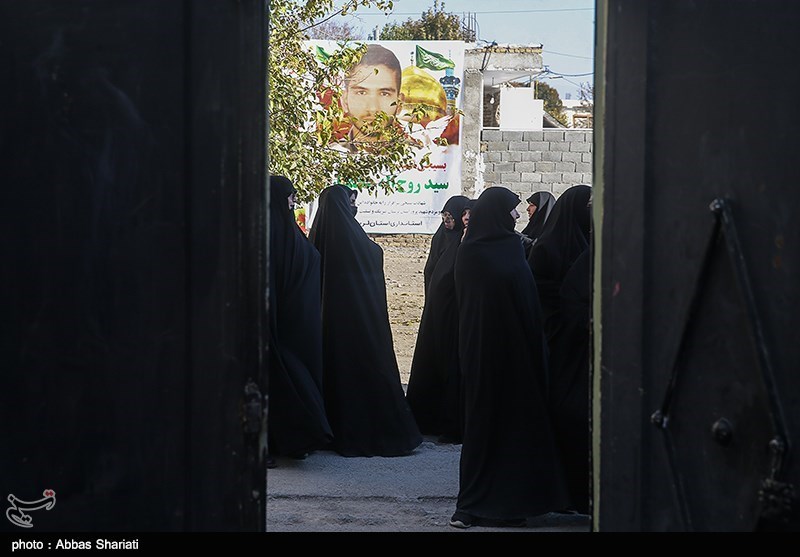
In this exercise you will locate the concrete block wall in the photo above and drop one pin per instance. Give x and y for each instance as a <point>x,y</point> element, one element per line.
<point>529,161</point>
<point>524,162</point>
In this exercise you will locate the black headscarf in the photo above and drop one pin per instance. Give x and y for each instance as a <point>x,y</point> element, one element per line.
<point>297,419</point>
<point>434,384</point>
<point>350,192</point>
<point>565,236</point>
<point>444,237</point>
<point>364,397</point>
<point>509,468</point>
<point>569,379</point>
<point>544,201</point>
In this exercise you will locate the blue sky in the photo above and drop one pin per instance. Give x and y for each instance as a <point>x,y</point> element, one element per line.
<point>565,28</point>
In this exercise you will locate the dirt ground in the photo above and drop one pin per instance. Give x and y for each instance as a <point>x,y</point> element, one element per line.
<point>404,257</point>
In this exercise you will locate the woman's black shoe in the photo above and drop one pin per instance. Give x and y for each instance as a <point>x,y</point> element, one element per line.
<point>461,520</point>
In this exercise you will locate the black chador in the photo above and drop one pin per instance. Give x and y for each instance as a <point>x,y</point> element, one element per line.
<point>544,201</point>
<point>433,386</point>
<point>509,469</point>
<point>443,237</point>
<point>569,380</point>
<point>565,236</point>
<point>297,418</point>
<point>364,397</point>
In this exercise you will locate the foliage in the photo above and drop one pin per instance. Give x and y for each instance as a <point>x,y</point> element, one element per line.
<point>335,31</point>
<point>552,101</point>
<point>304,109</point>
<point>434,24</point>
<point>586,96</point>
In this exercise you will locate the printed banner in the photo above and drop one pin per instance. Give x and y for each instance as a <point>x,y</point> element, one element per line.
<point>431,75</point>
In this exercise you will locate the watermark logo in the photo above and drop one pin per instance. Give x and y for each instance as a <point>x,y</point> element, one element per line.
<point>16,512</point>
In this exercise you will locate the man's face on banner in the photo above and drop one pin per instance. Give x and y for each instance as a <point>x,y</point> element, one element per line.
<point>369,92</point>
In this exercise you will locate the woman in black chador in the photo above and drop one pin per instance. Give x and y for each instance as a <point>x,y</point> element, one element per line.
<point>565,236</point>
<point>444,236</point>
<point>540,204</point>
<point>297,419</point>
<point>561,265</point>
<point>509,469</point>
<point>364,398</point>
<point>433,387</point>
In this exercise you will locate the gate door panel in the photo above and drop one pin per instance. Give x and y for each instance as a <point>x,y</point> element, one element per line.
<point>697,401</point>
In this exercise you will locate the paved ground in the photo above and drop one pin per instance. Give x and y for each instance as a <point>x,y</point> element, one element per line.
<point>416,493</point>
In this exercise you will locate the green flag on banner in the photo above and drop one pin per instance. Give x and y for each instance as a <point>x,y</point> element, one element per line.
<point>432,60</point>
<point>322,56</point>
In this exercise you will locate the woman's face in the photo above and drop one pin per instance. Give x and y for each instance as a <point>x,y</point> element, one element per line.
<point>515,214</point>
<point>292,200</point>
<point>448,220</point>
<point>465,217</point>
<point>531,210</point>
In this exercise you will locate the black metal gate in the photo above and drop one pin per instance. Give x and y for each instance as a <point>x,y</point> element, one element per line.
<point>697,407</point>
<point>133,155</point>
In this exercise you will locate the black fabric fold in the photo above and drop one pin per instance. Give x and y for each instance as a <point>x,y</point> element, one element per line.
<point>569,380</point>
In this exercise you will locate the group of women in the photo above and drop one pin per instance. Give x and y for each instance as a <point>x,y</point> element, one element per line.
<point>501,360</point>
<point>333,376</point>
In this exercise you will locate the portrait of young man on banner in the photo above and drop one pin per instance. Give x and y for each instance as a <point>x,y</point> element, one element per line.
<point>411,88</point>
<point>371,89</point>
